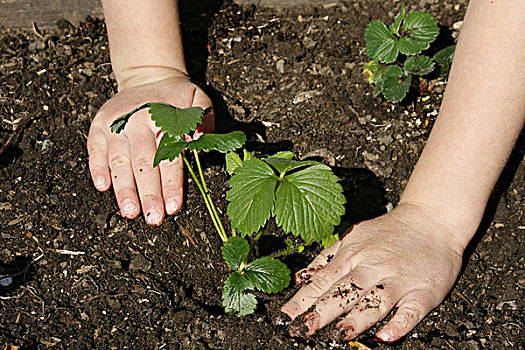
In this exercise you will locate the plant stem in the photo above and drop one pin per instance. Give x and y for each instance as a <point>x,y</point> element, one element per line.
<point>222,235</point>
<point>290,250</point>
<point>255,239</point>
<point>208,196</point>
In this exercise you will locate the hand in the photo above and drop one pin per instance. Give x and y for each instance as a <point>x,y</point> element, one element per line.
<point>126,159</point>
<point>403,259</point>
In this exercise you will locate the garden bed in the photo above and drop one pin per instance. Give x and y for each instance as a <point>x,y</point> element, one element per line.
<point>85,277</point>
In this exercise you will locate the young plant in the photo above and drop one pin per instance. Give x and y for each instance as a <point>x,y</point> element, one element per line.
<point>396,52</point>
<point>303,196</point>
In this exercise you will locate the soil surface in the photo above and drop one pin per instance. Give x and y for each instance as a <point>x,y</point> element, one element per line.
<point>79,276</point>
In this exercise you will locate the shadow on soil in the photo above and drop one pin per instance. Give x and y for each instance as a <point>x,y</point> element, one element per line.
<point>15,274</point>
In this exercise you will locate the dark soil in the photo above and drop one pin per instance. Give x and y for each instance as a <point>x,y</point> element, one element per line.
<point>86,278</point>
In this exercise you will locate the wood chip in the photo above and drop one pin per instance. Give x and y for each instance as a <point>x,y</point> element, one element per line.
<point>16,221</point>
<point>84,269</point>
<point>5,206</point>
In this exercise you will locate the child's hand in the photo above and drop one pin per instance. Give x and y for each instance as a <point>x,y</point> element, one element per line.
<point>126,159</point>
<point>404,259</point>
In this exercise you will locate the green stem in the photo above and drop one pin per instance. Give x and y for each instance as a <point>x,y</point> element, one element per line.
<point>192,173</point>
<point>214,210</point>
<point>255,239</point>
<point>290,250</point>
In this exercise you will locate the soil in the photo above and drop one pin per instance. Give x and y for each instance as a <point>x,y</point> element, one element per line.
<point>86,278</point>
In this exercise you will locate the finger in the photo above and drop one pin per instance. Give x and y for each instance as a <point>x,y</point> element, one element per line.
<point>319,284</point>
<point>142,148</point>
<point>172,177</point>
<point>98,158</point>
<point>413,308</point>
<point>338,299</point>
<point>122,176</point>
<point>372,308</point>
<point>303,276</point>
<point>200,99</point>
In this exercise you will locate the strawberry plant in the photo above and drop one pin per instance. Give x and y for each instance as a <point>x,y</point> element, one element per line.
<point>396,52</point>
<point>303,196</point>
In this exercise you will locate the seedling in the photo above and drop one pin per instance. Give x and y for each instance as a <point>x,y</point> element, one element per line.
<point>396,52</point>
<point>303,196</point>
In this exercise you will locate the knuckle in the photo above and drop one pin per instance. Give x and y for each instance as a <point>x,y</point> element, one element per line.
<point>143,164</point>
<point>166,164</point>
<point>319,283</point>
<point>411,314</point>
<point>150,197</point>
<point>118,161</point>
<point>94,147</point>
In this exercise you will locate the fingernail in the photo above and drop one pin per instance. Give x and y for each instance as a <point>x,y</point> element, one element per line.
<point>302,277</point>
<point>153,217</point>
<point>385,336</point>
<point>100,182</point>
<point>301,327</point>
<point>172,206</point>
<point>128,207</point>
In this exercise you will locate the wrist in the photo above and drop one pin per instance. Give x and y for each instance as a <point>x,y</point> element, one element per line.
<point>459,225</point>
<point>129,77</point>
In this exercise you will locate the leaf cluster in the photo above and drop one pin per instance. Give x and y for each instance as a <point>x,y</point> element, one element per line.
<point>396,49</point>
<point>304,196</point>
<point>265,274</point>
<point>305,199</point>
<point>175,123</point>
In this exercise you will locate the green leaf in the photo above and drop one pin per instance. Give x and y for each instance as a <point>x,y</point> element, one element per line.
<point>234,251</point>
<point>419,30</point>
<point>419,65</point>
<point>218,142</point>
<point>285,165</point>
<point>381,44</point>
<point>444,58</point>
<point>233,161</point>
<point>283,155</point>
<point>309,203</point>
<point>392,71</point>
<point>172,120</point>
<point>247,155</point>
<point>394,27</point>
<point>175,121</point>
<point>268,275</point>
<point>396,88</point>
<point>252,196</point>
<point>118,124</point>
<point>378,89</point>
<point>329,240</point>
<point>169,148</point>
<point>375,71</point>
<point>233,298</point>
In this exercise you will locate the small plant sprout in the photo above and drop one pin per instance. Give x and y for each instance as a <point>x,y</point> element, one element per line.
<point>396,52</point>
<point>303,196</point>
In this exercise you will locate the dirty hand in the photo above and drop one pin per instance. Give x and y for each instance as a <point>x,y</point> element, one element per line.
<point>126,159</point>
<point>404,259</point>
